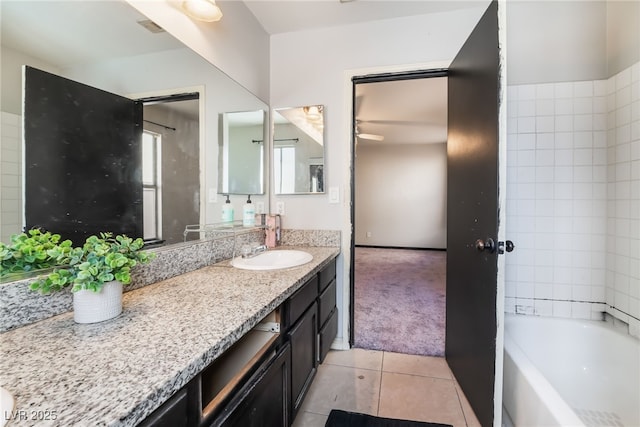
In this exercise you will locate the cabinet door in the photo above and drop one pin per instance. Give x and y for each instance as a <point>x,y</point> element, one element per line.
<point>303,339</point>
<point>264,401</point>
<point>173,413</point>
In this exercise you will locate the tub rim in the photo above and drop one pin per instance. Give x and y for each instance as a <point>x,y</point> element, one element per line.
<point>555,404</point>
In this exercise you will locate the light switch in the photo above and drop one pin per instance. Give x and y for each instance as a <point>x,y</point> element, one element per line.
<point>334,194</point>
<point>259,207</point>
<point>280,208</point>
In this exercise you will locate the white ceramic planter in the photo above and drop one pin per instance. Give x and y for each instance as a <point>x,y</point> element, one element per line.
<point>93,307</point>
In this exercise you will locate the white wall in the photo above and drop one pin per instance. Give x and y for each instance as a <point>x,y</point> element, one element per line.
<point>237,44</point>
<point>11,77</point>
<point>579,40</point>
<point>311,67</point>
<point>401,195</point>
<point>315,66</point>
<point>623,41</point>
<point>556,41</point>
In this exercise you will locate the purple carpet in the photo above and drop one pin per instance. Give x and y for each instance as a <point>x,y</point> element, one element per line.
<point>400,300</point>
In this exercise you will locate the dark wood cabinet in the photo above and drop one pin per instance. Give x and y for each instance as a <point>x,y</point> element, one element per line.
<point>301,300</point>
<point>327,303</point>
<point>264,400</point>
<point>262,380</point>
<point>304,362</point>
<point>327,310</point>
<point>172,413</point>
<point>327,334</point>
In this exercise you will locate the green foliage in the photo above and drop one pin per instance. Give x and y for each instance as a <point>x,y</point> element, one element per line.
<point>101,259</point>
<point>33,250</point>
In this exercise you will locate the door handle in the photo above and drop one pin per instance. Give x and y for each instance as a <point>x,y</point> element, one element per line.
<point>506,246</point>
<point>486,245</point>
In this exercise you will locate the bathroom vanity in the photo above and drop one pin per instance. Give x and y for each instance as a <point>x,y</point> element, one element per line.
<point>217,346</point>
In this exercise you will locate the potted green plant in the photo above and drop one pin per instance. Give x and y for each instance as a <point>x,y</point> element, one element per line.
<point>96,273</point>
<point>29,251</point>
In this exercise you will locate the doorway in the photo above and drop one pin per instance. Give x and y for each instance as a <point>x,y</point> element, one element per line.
<point>171,166</point>
<point>399,212</point>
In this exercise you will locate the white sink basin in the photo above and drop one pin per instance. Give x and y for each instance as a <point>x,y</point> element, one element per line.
<point>273,260</point>
<point>6,406</point>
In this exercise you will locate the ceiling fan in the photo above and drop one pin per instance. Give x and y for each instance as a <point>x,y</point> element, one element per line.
<point>370,136</point>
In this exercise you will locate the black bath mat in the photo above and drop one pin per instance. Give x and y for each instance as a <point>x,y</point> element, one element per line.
<point>339,418</point>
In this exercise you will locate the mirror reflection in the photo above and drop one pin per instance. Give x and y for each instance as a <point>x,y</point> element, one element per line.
<point>121,52</point>
<point>241,154</point>
<point>298,150</point>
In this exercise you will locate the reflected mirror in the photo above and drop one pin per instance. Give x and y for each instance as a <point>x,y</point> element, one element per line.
<point>111,46</point>
<point>298,150</point>
<point>241,154</point>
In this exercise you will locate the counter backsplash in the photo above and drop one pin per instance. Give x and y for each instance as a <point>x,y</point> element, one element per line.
<point>21,306</point>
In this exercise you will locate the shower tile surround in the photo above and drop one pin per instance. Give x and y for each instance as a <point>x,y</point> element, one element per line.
<point>573,199</point>
<point>11,175</point>
<point>21,306</point>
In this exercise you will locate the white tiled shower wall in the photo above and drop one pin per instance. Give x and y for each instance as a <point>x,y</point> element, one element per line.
<point>573,198</point>
<point>10,175</point>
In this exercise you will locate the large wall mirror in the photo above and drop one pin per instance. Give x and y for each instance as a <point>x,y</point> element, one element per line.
<point>241,140</point>
<point>298,150</point>
<point>112,47</point>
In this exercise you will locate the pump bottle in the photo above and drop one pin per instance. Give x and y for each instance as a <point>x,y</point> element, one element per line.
<point>227,211</point>
<point>248,213</point>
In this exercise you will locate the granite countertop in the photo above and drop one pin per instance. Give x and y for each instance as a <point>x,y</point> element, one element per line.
<point>117,372</point>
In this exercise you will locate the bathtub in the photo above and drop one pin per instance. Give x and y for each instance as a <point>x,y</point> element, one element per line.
<point>565,372</point>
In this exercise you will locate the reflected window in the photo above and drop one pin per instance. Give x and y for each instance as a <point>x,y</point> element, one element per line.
<point>151,199</point>
<point>284,169</point>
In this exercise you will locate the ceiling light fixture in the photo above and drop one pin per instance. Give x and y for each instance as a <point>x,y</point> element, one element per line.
<point>370,136</point>
<point>202,10</point>
<point>313,112</point>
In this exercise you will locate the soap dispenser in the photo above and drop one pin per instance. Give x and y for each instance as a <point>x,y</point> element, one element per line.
<point>248,213</point>
<point>227,211</point>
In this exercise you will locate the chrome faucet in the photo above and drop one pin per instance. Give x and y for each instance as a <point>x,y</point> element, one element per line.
<point>250,252</point>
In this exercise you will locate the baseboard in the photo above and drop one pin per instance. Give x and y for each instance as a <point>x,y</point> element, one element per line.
<point>340,344</point>
<point>401,247</point>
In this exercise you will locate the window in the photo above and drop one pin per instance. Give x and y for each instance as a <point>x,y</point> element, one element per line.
<point>152,195</point>
<point>284,169</point>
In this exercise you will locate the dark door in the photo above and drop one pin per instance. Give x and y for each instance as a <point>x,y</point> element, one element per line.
<point>83,158</point>
<point>472,214</point>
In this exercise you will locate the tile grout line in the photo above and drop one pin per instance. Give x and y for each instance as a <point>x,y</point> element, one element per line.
<point>464,415</point>
<point>380,384</point>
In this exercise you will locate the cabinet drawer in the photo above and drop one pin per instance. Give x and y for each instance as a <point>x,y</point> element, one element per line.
<point>327,274</point>
<point>326,303</point>
<point>327,334</point>
<point>302,299</point>
<point>264,400</point>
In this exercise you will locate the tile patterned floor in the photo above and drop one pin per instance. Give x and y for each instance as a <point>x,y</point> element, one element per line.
<point>386,384</point>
